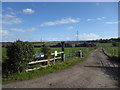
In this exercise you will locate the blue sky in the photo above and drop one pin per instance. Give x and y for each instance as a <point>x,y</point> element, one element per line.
<point>59,21</point>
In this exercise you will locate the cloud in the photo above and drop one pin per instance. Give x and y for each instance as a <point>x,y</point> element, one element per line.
<point>8,16</point>
<point>101,18</point>
<point>28,11</point>
<point>17,30</point>
<point>11,19</point>
<point>84,36</point>
<point>112,22</point>
<point>9,9</point>
<point>88,36</point>
<point>23,30</point>
<point>90,19</point>
<point>70,28</point>
<point>58,39</point>
<point>62,21</point>
<point>13,13</point>
<point>4,32</point>
<point>97,4</point>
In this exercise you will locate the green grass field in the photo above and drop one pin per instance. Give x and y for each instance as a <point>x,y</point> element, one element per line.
<point>109,49</point>
<point>4,54</point>
<point>105,44</point>
<point>59,49</point>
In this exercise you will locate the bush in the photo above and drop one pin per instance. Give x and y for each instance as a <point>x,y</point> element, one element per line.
<point>85,45</point>
<point>20,54</point>
<point>46,51</point>
<point>114,43</point>
<point>68,45</point>
<point>60,45</point>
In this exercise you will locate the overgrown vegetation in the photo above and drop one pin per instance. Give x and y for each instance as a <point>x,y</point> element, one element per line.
<point>19,54</point>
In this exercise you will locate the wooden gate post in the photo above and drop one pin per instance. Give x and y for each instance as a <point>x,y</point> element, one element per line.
<point>63,54</point>
<point>48,62</point>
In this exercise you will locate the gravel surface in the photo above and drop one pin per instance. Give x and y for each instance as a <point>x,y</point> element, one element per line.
<point>95,72</point>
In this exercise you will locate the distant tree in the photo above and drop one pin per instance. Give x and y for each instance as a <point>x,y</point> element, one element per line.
<point>68,45</point>
<point>85,44</point>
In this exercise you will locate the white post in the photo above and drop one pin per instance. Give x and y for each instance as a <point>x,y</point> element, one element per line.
<point>55,56</point>
<point>80,53</point>
<point>54,59</point>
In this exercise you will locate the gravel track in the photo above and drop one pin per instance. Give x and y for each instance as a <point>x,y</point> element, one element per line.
<point>94,72</point>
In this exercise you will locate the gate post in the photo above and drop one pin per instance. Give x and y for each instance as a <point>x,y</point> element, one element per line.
<point>63,54</point>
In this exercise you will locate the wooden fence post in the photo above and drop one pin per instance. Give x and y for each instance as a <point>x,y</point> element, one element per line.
<point>48,62</point>
<point>63,54</point>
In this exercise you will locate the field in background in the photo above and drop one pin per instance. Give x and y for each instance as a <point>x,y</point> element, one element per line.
<point>68,51</point>
<point>108,48</point>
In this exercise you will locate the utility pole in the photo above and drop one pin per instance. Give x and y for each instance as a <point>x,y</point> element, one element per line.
<point>77,36</point>
<point>41,39</point>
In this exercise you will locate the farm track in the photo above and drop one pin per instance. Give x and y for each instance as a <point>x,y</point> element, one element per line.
<point>95,72</point>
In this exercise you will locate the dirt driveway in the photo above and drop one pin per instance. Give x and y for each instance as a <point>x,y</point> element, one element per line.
<point>95,72</point>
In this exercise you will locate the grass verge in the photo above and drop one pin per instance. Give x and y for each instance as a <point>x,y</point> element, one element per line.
<point>43,71</point>
<point>111,57</point>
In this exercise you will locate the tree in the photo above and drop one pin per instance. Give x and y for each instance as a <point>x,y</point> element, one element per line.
<point>20,54</point>
<point>46,51</point>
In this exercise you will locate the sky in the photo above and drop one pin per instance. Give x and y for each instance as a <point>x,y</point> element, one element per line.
<point>59,21</point>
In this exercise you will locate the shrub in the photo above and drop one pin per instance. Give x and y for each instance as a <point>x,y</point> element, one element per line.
<point>20,54</point>
<point>46,51</point>
<point>114,43</point>
<point>85,45</point>
<point>68,45</point>
<point>60,44</point>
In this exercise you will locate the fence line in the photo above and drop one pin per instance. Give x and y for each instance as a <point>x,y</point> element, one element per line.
<point>55,57</point>
<point>39,61</point>
<point>36,68</point>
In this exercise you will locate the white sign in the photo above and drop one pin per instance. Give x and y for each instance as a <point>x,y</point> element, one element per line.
<point>55,53</point>
<point>42,55</point>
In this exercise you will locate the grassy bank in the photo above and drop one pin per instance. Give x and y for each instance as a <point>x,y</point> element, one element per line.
<point>110,51</point>
<point>43,71</point>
